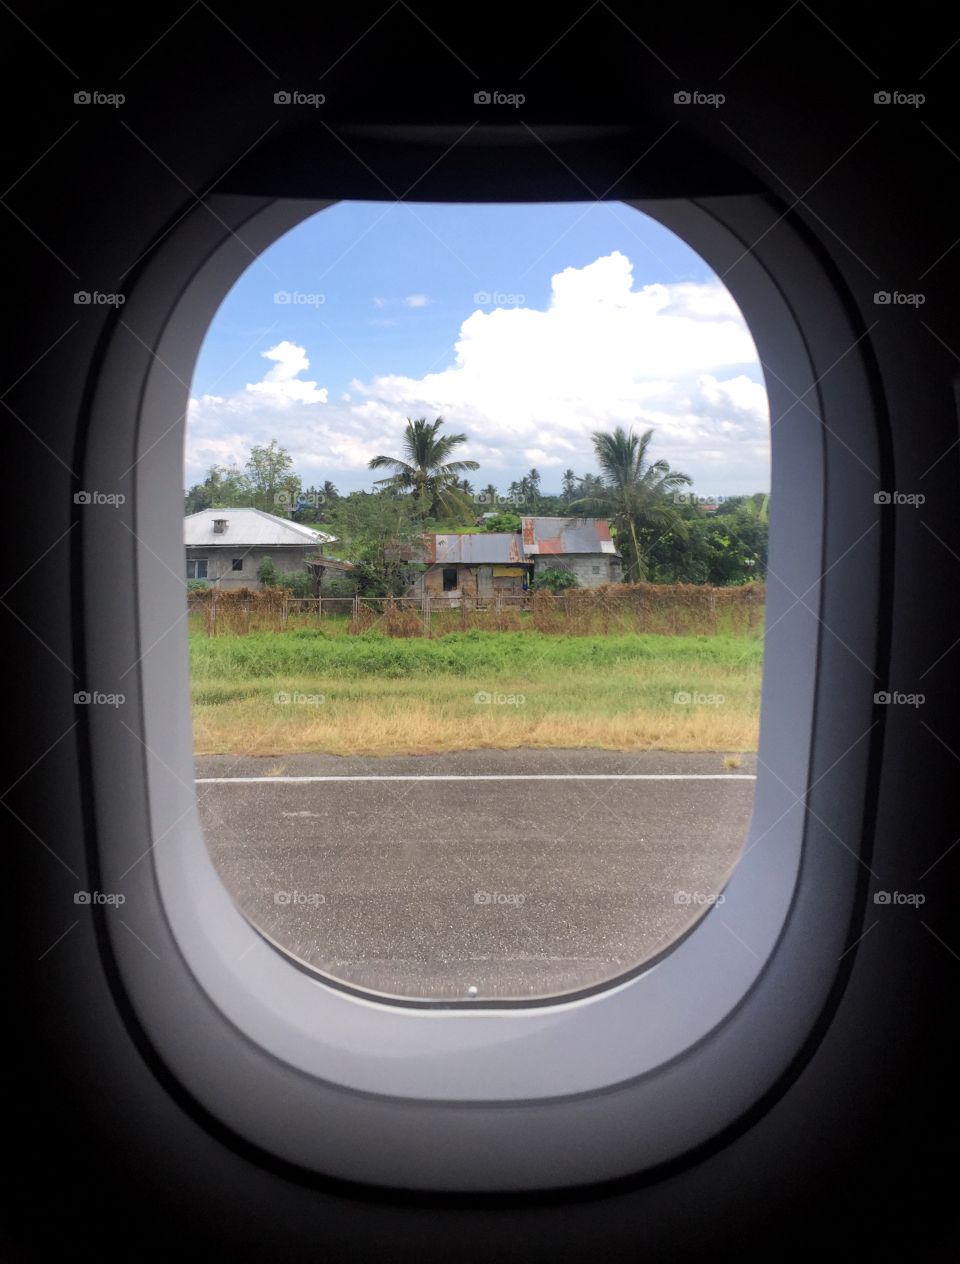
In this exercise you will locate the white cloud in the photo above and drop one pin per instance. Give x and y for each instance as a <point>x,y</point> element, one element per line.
<point>528,386</point>
<point>416,300</point>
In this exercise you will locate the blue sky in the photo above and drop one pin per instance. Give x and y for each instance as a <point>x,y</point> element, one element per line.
<point>525,326</point>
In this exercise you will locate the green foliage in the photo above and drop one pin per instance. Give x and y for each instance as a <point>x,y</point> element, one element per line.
<point>555,579</point>
<point>267,573</point>
<point>341,586</point>
<point>297,583</point>
<point>502,522</point>
<point>374,530</point>
<point>196,585</point>
<point>636,493</point>
<point>426,472</point>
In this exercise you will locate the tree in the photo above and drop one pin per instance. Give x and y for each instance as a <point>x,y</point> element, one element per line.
<point>376,531</point>
<point>273,488</point>
<point>488,496</point>
<point>530,488</point>
<point>267,573</point>
<point>502,522</point>
<point>568,486</point>
<point>426,471</point>
<point>635,494</point>
<point>222,488</point>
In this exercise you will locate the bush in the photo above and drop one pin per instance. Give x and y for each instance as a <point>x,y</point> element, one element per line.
<point>267,573</point>
<point>338,587</point>
<point>196,585</point>
<point>555,580</point>
<point>297,583</point>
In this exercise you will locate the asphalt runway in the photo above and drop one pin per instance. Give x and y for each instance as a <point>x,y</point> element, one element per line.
<point>478,875</point>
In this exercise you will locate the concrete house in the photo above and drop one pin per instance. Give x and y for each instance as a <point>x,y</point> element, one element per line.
<point>478,566</point>
<point>225,546</point>
<point>581,545</point>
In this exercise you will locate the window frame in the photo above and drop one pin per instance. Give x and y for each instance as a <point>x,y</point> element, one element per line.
<point>649,1068</point>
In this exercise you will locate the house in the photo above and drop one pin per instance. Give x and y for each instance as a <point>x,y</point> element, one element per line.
<point>480,565</point>
<point>580,545</point>
<point>226,546</point>
<point>470,565</point>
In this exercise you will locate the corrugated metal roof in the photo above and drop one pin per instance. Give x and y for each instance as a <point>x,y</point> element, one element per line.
<point>482,548</point>
<point>247,528</point>
<point>555,536</point>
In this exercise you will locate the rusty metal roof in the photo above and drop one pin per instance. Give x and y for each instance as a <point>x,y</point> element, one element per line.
<point>477,549</point>
<point>557,536</point>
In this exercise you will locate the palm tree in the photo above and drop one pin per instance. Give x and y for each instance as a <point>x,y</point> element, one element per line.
<point>635,493</point>
<point>568,485</point>
<point>425,470</point>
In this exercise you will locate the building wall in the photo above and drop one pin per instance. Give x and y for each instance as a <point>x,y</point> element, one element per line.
<point>591,569</point>
<point>220,557</point>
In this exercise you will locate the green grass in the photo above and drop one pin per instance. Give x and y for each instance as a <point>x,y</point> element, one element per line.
<point>386,695</point>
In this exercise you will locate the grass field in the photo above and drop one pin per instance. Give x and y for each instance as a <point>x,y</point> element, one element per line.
<point>279,694</point>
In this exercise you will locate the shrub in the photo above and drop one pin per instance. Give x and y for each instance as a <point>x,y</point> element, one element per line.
<point>555,580</point>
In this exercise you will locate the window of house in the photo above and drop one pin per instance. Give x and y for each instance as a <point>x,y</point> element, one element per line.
<point>196,568</point>
<point>237,564</point>
<point>449,578</point>
<point>595,570</point>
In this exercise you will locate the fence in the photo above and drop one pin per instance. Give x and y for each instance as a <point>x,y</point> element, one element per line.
<point>670,609</point>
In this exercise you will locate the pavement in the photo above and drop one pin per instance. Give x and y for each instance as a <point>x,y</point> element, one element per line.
<point>478,875</point>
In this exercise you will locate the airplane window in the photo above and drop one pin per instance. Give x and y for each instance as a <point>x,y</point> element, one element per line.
<point>477,720</point>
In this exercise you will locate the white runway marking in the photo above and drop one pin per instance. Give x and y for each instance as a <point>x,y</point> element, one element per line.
<point>544,776</point>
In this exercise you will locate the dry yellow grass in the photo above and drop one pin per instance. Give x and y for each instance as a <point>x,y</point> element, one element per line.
<point>631,712</point>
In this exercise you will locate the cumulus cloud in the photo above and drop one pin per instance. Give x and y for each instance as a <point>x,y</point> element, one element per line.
<point>529,385</point>
<point>416,300</point>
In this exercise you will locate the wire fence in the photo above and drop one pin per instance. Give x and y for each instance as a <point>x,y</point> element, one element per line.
<point>666,609</point>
